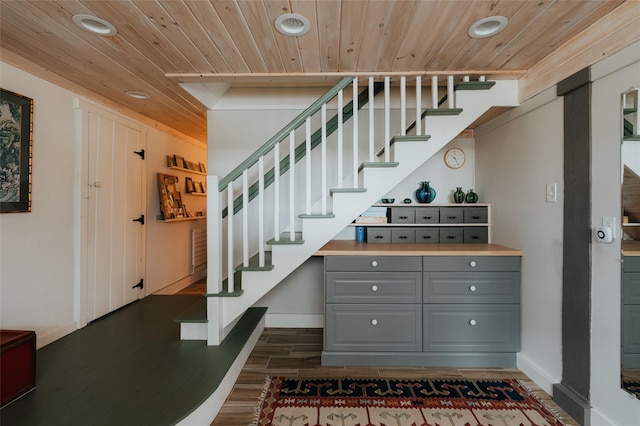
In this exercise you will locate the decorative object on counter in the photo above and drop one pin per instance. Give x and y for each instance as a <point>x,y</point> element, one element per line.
<point>373,215</point>
<point>360,233</point>
<point>407,201</point>
<point>426,193</point>
<point>471,197</point>
<point>388,200</point>
<point>458,195</point>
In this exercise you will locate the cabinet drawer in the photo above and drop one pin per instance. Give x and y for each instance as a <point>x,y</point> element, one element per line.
<point>427,235</point>
<point>403,215</point>
<point>471,328</point>
<point>451,235</point>
<point>471,287</point>
<point>403,236</point>
<point>373,327</point>
<point>373,263</point>
<point>631,264</point>
<point>374,287</point>
<point>631,288</point>
<point>451,215</point>
<point>478,235</point>
<point>476,215</point>
<point>471,263</point>
<point>428,215</point>
<point>378,235</point>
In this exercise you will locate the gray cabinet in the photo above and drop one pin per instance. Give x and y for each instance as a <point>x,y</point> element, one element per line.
<point>425,311</point>
<point>427,224</point>
<point>631,312</point>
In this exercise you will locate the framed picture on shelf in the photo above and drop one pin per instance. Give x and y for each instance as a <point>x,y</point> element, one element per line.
<point>198,187</point>
<point>170,199</point>
<point>16,138</point>
<point>171,161</point>
<point>202,167</point>
<point>180,161</point>
<point>189,186</point>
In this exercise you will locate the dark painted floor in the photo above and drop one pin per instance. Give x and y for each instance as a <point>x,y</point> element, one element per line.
<point>128,368</point>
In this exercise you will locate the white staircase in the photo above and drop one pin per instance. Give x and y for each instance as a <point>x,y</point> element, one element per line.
<point>331,185</point>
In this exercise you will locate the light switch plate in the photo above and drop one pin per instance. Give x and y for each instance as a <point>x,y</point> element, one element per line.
<point>552,192</point>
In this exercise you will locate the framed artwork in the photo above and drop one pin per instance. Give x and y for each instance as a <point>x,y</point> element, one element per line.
<point>16,139</point>
<point>170,198</point>
<point>202,167</point>
<point>171,161</point>
<point>180,161</point>
<point>189,187</point>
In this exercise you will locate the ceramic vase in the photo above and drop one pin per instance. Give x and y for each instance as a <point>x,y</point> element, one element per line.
<point>426,193</point>
<point>458,196</point>
<point>472,197</point>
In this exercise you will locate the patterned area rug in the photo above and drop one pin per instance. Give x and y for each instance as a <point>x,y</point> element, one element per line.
<point>385,402</point>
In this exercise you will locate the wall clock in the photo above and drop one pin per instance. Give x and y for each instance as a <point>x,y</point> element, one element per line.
<point>455,158</point>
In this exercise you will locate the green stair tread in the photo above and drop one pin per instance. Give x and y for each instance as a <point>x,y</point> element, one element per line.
<point>254,263</point>
<point>631,138</point>
<point>405,138</point>
<point>377,164</point>
<point>196,313</point>
<point>443,111</point>
<point>236,293</point>
<point>285,240</point>
<point>475,85</point>
<point>317,216</point>
<point>346,190</point>
<point>629,111</point>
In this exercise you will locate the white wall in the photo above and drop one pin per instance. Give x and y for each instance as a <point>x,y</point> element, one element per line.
<point>40,250</point>
<point>517,154</point>
<point>614,75</point>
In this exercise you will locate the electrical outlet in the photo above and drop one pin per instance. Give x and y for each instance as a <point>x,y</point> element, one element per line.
<point>609,222</point>
<point>552,192</point>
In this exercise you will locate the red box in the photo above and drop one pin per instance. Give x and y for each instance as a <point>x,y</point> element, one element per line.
<point>17,364</point>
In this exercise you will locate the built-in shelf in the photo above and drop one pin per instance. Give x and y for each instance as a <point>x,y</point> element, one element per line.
<point>182,169</point>
<point>181,219</point>
<point>202,194</point>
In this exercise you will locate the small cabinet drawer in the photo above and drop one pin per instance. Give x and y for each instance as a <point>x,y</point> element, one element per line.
<point>373,287</point>
<point>631,264</point>
<point>471,287</point>
<point>631,288</point>
<point>427,235</point>
<point>403,236</point>
<point>471,263</point>
<point>476,215</point>
<point>471,328</point>
<point>403,215</point>
<point>477,235</point>
<point>373,263</point>
<point>378,235</point>
<point>631,329</point>
<point>451,235</point>
<point>451,215</point>
<point>428,215</point>
<point>373,327</point>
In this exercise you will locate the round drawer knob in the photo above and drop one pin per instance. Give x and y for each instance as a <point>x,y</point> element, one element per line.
<point>374,322</point>
<point>374,288</point>
<point>473,263</point>
<point>374,263</point>
<point>472,288</point>
<point>472,322</point>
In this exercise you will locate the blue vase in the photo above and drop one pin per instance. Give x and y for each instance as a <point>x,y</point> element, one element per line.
<point>472,197</point>
<point>426,193</point>
<point>458,196</point>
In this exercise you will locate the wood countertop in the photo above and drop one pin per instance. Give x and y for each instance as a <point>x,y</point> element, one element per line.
<point>355,248</point>
<point>631,248</point>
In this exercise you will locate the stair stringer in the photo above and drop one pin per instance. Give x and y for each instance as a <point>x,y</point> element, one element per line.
<point>347,206</point>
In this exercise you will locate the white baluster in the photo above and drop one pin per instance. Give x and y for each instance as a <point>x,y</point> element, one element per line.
<point>636,104</point>
<point>230,213</point>
<point>323,151</point>
<point>261,258</point>
<point>418,105</point>
<point>371,117</point>
<point>387,124</point>
<point>340,153</point>
<point>308,162</point>
<point>434,92</point>
<point>292,185</point>
<point>245,218</point>
<point>465,78</point>
<point>452,103</point>
<point>482,78</point>
<point>354,119</point>
<point>276,191</point>
<point>403,105</point>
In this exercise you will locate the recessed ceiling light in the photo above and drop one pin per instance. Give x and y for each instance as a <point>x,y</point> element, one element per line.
<point>94,25</point>
<point>486,27</point>
<point>137,94</point>
<point>292,24</point>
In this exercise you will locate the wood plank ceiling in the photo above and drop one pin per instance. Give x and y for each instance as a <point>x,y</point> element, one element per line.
<point>162,42</point>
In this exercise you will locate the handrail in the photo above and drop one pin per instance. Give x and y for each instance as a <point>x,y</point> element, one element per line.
<point>283,133</point>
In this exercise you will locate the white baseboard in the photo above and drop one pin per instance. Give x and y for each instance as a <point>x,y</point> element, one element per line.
<point>182,283</point>
<point>295,320</point>
<point>536,373</point>
<point>209,409</point>
<point>599,419</point>
<point>43,339</point>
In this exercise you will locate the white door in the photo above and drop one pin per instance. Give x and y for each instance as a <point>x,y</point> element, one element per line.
<point>115,208</point>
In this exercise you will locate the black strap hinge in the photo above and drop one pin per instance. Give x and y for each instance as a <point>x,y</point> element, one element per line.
<point>140,285</point>
<point>140,219</point>
<point>140,153</point>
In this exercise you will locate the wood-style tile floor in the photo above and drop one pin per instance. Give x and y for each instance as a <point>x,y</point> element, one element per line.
<point>296,353</point>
